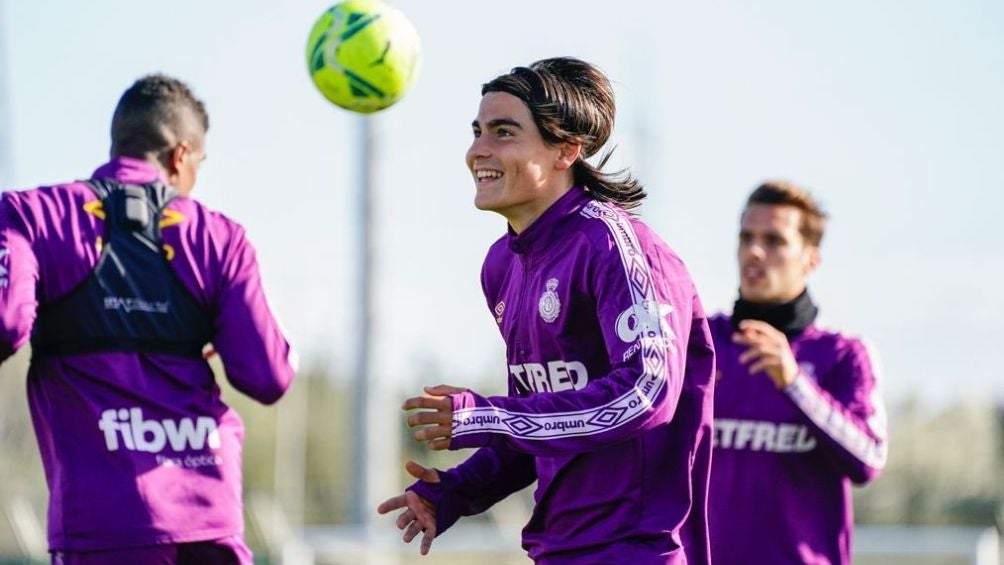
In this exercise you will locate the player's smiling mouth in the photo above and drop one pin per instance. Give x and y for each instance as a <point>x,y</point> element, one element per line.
<point>487,175</point>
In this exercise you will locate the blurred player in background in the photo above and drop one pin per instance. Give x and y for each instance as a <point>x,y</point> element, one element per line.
<point>609,353</point>
<point>798,416</point>
<point>119,282</point>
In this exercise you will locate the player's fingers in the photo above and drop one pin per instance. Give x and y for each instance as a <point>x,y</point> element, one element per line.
<point>741,338</point>
<point>443,390</point>
<point>434,402</point>
<point>391,504</point>
<point>745,356</point>
<point>433,432</point>
<point>422,418</point>
<point>757,326</point>
<point>764,333</point>
<point>440,444</point>
<point>425,513</point>
<point>413,530</point>
<point>427,537</point>
<point>749,338</point>
<point>418,471</point>
<point>406,517</point>
<point>750,354</point>
<point>760,365</point>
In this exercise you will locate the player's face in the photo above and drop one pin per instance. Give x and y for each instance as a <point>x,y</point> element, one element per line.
<point>774,258</point>
<point>516,173</point>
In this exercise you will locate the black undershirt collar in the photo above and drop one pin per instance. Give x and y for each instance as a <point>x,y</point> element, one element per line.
<point>790,317</point>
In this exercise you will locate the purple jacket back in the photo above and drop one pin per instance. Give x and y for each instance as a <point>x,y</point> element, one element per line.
<point>138,449</point>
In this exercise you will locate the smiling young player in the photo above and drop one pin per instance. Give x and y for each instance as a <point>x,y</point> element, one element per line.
<point>608,350</point>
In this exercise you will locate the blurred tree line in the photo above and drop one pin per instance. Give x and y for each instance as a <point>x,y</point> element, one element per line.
<point>945,467</point>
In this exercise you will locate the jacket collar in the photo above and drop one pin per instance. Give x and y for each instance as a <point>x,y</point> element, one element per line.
<point>129,170</point>
<point>546,229</point>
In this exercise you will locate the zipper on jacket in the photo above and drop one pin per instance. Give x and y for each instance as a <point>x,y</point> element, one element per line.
<point>522,319</point>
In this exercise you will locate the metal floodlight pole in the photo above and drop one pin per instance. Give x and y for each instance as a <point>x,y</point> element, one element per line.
<point>375,431</point>
<point>363,378</point>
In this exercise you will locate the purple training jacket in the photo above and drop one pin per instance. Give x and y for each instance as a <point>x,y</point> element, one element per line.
<point>785,460</point>
<point>610,366</point>
<point>138,449</point>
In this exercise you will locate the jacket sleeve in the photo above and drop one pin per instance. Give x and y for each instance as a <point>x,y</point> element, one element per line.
<point>848,415</point>
<point>258,360</point>
<point>643,300</point>
<point>486,477</point>
<point>18,279</point>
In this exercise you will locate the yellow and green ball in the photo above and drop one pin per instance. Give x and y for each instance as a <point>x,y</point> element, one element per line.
<point>363,55</point>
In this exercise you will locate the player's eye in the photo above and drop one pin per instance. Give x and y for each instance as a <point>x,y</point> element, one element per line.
<point>477,132</point>
<point>503,132</point>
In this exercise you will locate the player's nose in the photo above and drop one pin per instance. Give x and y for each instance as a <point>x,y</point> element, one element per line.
<point>751,251</point>
<point>476,152</point>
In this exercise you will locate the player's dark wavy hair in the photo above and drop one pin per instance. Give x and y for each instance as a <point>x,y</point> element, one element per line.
<point>572,101</point>
<point>153,115</point>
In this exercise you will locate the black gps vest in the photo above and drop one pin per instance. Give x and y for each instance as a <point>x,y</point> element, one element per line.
<point>132,300</point>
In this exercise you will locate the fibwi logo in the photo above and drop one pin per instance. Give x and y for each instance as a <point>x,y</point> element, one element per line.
<point>153,436</point>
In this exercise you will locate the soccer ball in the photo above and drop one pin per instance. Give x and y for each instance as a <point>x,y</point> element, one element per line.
<point>363,55</point>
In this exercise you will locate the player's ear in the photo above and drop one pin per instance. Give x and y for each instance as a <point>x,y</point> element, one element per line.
<point>175,161</point>
<point>568,154</point>
<point>813,258</point>
<point>177,156</point>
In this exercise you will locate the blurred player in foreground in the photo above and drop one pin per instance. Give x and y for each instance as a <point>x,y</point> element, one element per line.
<point>120,281</point>
<point>609,353</point>
<point>798,416</point>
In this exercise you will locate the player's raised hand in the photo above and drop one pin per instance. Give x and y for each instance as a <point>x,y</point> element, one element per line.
<point>768,351</point>
<point>419,514</point>
<point>435,418</point>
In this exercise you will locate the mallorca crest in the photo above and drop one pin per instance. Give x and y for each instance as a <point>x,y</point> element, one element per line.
<point>549,305</point>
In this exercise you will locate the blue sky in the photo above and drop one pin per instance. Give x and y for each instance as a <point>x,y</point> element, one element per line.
<point>890,111</point>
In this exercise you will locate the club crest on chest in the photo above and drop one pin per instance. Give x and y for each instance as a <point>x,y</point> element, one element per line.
<point>549,305</point>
